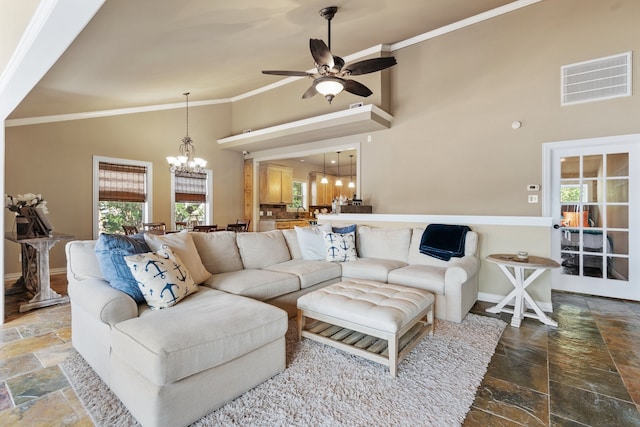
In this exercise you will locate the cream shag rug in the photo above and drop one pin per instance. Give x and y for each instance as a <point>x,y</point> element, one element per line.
<point>323,386</point>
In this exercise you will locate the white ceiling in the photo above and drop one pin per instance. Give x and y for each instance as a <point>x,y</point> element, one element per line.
<point>137,53</point>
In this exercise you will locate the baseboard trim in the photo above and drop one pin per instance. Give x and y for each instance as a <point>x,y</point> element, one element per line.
<point>52,272</point>
<point>547,307</point>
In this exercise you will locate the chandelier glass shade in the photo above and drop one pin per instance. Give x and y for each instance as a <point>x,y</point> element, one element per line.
<point>186,160</point>
<point>324,179</point>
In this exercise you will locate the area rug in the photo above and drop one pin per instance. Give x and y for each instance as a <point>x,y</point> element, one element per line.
<point>323,386</point>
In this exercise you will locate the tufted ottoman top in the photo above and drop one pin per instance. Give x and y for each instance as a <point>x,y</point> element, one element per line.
<point>377,305</point>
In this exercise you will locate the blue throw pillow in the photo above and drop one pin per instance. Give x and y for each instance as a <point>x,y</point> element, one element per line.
<point>110,250</point>
<point>344,230</point>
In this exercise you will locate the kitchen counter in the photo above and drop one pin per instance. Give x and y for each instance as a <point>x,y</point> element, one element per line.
<point>283,223</point>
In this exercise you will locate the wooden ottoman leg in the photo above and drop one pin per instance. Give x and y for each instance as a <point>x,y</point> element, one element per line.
<point>300,319</point>
<point>393,355</point>
<point>430,319</point>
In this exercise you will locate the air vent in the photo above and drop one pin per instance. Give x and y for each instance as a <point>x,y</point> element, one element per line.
<point>598,79</point>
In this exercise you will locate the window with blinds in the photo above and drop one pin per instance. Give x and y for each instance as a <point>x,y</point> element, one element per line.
<point>122,194</point>
<point>190,188</point>
<point>122,183</point>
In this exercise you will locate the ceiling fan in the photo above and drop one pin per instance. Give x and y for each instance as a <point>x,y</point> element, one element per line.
<point>331,75</point>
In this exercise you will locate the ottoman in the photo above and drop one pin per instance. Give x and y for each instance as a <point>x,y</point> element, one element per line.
<point>378,321</point>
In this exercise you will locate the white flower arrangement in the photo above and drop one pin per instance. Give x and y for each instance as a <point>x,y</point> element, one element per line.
<point>28,200</point>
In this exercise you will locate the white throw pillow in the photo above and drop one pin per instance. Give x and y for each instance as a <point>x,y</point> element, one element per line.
<point>311,242</point>
<point>340,247</point>
<point>162,277</point>
<point>183,246</point>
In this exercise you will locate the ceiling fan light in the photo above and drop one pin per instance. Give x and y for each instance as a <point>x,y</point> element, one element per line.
<point>329,87</point>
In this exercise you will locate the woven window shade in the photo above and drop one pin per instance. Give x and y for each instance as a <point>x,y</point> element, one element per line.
<point>122,183</point>
<point>191,187</point>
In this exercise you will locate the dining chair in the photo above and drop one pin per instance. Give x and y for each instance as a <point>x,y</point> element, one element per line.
<point>154,227</point>
<point>245,223</point>
<point>130,229</point>
<point>205,228</point>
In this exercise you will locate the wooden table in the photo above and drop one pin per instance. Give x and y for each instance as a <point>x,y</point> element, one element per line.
<point>35,269</point>
<point>514,268</point>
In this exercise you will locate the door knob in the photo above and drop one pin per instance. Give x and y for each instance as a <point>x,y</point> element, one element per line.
<point>556,226</point>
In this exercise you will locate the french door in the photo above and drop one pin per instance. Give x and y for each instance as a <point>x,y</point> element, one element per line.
<point>592,196</point>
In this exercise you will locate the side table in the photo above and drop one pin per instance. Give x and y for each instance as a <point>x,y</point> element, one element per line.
<point>514,269</point>
<point>35,269</point>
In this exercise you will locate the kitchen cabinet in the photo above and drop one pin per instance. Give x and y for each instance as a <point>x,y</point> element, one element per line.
<point>248,188</point>
<point>276,184</point>
<point>322,194</point>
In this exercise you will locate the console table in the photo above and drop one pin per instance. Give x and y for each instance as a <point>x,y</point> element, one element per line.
<point>35,269</point>
<point>517,278</point>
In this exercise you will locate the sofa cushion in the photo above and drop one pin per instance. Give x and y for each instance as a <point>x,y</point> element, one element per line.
<point>415,257</point>
<point>183,246</point>
<point>384,243</point>
<point>205,330</point>
<point>370,268</point>
<point>162,277</point>
<point>218,251</point>
<point>309,272</point>
<point>311,242</point>
<point>427,277</point>
<point>260,250</point>
<point>110,251</point>
<point>254,283</point>
<point>291,238</point>
<point>340,247</point>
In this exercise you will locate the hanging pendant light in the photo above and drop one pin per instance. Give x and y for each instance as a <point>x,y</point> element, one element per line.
<point>351,183</point>
<point>324,179</point>
<point>186,162</point>
<point>338,181</point>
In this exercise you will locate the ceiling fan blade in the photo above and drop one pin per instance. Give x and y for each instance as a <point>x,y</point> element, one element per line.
<point>310,92</point>
<point>356,88</point>
<point>370,65</point>
<point>321,53</point>
<point>287,73</point>
<point>339,63</point>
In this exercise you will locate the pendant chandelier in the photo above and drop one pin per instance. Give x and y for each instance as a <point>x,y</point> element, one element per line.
<point>324,179</point>
<point>186,162</point>
<point>338,181</point>
<point>351,183</point>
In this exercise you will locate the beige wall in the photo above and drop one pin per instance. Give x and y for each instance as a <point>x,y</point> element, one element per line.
<point>450,150</point>
<point>56,160</point>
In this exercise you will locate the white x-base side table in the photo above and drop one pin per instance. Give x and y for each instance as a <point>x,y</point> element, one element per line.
<point>514,269</point>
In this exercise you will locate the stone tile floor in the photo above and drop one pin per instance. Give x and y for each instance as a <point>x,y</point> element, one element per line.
<point>586,372</point>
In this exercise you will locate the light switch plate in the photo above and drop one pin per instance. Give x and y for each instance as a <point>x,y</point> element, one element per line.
<point>533,187</point>
<point>533,198</point>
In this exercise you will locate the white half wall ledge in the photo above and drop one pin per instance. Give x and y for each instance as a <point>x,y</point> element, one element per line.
<point>525,221</point>
<point>352,121</point>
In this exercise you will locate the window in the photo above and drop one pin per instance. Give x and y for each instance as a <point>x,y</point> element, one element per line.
<point>190,198</point>
<point>299,195</point>
<point>121,194</point>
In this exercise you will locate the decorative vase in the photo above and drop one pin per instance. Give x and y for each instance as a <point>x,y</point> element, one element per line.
<point>23,228</point>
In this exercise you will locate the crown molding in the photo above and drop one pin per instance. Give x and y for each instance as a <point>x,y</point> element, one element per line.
<point>518,4</point>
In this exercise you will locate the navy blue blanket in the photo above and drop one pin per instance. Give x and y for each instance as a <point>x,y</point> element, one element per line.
<point>443,241</point>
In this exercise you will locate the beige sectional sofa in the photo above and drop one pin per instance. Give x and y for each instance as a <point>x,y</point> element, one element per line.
<point>173,366</point>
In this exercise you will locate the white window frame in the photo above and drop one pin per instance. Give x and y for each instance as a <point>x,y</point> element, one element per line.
<point>147,210</point>
<point>208,206</point>
<point>305,194</point>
